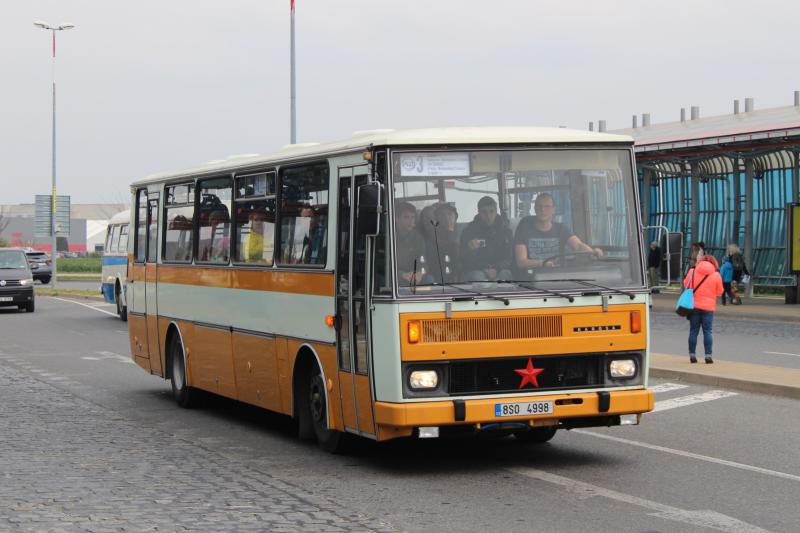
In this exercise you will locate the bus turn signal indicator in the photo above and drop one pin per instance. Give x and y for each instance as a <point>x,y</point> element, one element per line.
<point>636,321</point>
<point>413,332</point>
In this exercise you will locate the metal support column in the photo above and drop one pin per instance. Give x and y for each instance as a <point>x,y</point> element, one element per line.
<point>695,181</point>
<point>737,194</point>
<point>796,176</point>
<point>647,178</point>
<point>748,222</point>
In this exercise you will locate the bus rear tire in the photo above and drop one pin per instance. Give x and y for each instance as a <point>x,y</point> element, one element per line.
<point>538,435</point>
<point>314,415</point>
<point>122,310</point>
<point>184,395</point>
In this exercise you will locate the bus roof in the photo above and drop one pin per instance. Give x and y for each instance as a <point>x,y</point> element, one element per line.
<point>387,137</point>
<point>121,217</point>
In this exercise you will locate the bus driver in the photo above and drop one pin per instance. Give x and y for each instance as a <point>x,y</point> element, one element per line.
<point>539,239</point>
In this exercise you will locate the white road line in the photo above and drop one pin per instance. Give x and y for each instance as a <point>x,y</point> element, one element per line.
<point>683,401</point>
<point>84,305</point>
<point>668,387</point>
<point>706,458</point>
<point>783,353</point>
<point>583,490</point>
<point>109,355</point>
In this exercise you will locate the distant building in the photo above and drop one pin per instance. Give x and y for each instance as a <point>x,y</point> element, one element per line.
<point>88,224</point>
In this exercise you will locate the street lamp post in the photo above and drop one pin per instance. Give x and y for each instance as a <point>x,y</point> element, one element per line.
<point>53,30</point>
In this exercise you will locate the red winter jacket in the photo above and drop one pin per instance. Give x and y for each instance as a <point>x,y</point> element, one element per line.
<point>705,298</point>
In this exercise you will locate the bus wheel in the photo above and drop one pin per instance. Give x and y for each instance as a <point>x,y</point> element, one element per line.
<point>536,435</point>
<point>184,395</point>
<point>330,440</point>
<point>122,310</point>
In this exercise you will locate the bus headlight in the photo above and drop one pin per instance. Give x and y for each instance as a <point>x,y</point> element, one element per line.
<point>622,368</point>
<point>423,379</point>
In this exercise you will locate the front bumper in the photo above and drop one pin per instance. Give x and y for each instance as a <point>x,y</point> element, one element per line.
<point>398,418</point>
<point>18,295</point>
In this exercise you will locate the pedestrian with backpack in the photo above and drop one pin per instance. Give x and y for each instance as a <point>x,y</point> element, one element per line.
<point>707,285</point>
<point>741,276</point>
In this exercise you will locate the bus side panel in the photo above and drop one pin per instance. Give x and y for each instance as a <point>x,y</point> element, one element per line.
<point>284,374</point>
<point>137,334</point>
<point>348,414</point>
<point>255,365</point>
<point>211,363</point>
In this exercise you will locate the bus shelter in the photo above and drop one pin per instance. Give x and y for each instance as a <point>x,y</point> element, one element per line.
<point>724,179</point>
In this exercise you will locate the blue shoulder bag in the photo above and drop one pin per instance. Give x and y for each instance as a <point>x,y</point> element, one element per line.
<point>686,300</point>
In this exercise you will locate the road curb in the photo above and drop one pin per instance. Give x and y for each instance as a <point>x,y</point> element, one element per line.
<point>73,297</point>
<point>748,377</point>
<point>788,319</point>
<point>745,385</point>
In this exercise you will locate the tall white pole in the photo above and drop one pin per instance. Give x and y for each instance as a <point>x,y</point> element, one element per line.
<point>293,96</point>
<point>54,254</point>
<point>54,197</point>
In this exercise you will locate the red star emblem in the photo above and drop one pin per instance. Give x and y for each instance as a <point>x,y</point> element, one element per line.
<point>529,374</point>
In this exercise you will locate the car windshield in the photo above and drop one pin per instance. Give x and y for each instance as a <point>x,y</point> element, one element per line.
<point>12,259</point>
<point>514,220</point>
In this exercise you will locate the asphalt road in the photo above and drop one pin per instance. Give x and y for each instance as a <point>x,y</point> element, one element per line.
<point>87,439</point>
<point>80,285</point>
<point>772,343</point>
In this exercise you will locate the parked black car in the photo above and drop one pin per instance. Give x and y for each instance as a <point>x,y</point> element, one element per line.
<point>16,280</point>
<point>41,265</point>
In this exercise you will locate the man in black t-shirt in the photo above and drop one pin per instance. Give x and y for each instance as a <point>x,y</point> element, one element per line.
<point>538,239</point>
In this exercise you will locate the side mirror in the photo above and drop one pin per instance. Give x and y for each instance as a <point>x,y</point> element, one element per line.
<point>370,209</point>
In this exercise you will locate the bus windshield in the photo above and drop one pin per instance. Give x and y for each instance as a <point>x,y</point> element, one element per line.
<point>514,220</point>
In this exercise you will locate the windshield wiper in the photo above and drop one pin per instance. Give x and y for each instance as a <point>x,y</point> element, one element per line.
<point>590,283</point>
<point>472,293</point>
<point>533,288</point>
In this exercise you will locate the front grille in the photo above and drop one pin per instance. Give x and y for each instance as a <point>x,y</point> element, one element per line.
<point>494,328</point>
<point>498,376</point>
<point>12,283</point>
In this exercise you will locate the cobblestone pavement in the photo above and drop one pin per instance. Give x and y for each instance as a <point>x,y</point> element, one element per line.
<point>67,464</point>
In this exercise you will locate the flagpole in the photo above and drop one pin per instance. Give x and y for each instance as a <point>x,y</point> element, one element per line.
<point>293,97</point>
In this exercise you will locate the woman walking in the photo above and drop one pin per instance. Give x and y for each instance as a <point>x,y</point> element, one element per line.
<point>707,285</point>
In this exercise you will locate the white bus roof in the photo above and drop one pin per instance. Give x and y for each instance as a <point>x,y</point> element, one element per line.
<point>417,137</point>
<point>121,217</point>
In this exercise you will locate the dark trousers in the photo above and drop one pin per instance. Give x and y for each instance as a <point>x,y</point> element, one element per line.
<point>728,291</point>
<point>698,318</point>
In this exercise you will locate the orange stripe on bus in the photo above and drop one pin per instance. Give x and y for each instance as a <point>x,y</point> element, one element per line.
<point>314,283</point>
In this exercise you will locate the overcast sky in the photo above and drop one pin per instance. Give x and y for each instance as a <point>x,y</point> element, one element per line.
<point>150,86</point>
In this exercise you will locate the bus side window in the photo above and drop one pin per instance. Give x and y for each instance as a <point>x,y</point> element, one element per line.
<point>178,220</point>
<point>304,215</point>
<point>141,225</point>
<point>255,218</point>
<point>214,221</point>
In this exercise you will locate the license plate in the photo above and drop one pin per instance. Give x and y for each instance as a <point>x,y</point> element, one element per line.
<point>523,408</point>
<point>6,298</point>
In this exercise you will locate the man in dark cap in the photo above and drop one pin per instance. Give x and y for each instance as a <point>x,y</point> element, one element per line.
<point>486,245</point>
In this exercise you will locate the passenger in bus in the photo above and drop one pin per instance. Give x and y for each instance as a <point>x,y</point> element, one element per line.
<point>486,245</point>
<point>539,240</point>
<point>441,243</point>
<point>253,243</point>
<point>411,266</point>
<point>313,252</point>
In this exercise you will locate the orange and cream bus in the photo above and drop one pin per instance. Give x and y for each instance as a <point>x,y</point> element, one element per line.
<point>401,283</point>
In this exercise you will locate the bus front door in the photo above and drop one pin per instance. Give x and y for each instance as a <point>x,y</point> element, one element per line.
<point>351,313</point>
<point>151,284</point>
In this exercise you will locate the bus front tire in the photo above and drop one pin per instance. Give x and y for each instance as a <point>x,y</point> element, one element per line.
<point>184,395</point>
<point>122,310</point>
<point>313,419</point>
<point>538,435</point>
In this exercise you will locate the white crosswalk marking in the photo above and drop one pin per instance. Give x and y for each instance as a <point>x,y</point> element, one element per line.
<point>683,401</point>
<point>668,387</point>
